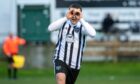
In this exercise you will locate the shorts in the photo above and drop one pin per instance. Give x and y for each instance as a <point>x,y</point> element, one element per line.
<point>71,74</point>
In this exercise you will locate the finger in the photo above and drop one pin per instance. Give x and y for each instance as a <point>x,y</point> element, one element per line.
<point>68,15</point>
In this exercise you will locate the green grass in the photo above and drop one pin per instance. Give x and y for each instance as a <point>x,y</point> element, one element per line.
<point>108,68</point>
<point>91,73</point>
<point>81,80</point>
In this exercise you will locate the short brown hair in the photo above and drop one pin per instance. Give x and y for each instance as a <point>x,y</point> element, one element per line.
<point>77,6</point>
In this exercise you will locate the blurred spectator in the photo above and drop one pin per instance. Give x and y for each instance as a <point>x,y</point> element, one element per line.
<point>108,26</point>
<point>135,27</point>
<point>107,23</point>
<point>10,48</point>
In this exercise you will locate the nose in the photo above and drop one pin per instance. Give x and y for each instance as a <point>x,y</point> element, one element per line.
<point>74,17</point>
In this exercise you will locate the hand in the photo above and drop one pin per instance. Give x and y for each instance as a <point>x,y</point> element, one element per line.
<point>8,55</point>
<point>74,15</point>
<point>69,15</point>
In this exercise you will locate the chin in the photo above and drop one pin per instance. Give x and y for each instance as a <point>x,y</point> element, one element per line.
<point>74,22</point>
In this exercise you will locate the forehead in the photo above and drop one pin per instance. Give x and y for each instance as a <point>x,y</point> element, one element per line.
<point>75,9</point>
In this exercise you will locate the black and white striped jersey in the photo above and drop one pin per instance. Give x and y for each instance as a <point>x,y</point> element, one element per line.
<point>71,41</point>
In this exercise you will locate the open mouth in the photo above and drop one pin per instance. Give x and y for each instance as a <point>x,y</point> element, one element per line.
<point>73,18</point>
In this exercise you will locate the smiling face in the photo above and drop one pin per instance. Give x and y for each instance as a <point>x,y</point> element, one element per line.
<point>75,15</point>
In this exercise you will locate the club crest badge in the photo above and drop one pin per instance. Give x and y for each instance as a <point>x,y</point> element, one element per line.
<point>58,67</point>
<point>70,38</point>
<point>76,29</point>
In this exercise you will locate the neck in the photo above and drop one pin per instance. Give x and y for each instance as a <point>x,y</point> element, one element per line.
<point>73,23</point>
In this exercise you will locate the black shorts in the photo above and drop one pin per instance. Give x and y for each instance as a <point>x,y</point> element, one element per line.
<point>71,74</point>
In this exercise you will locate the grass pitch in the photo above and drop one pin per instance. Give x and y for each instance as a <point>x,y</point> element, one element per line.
<point>91,73</point>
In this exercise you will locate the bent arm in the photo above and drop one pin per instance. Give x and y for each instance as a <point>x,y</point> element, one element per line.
<point>6,49</point>
<point>22,41</point>
<point>57,24</point>
<point>88,29</point>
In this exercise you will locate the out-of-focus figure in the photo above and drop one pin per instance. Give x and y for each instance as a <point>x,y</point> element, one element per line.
<point>108,26</point>
<point>10,49</point>
<point>107,23</point>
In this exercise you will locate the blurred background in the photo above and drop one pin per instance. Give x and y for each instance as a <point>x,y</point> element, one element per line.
<point>111,57</point>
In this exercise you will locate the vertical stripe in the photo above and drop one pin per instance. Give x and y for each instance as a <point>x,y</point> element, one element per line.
<point>66,45</point>
<point>81,51</point>
<point>58,36</point>
<point>83,47</point>
<point>60,41</point>
<point>75,49</point>
<point>78,54</point>
<point>65,53</point>
<point>71,49</point>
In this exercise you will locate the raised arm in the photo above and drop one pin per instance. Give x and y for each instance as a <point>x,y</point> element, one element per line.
<point>57,24</point>
<point>88,29</point>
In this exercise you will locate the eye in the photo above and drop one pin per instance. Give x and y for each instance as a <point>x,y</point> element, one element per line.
<point>72,12</point>
<point>77,14</point>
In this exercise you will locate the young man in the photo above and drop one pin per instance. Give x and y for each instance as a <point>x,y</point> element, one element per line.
<point>71,40</point>
<point>10,48</point>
